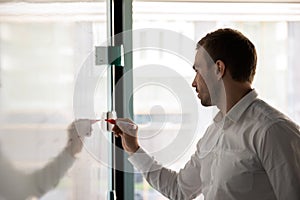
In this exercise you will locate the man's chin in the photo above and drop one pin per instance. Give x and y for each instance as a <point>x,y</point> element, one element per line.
<point>205,103</point>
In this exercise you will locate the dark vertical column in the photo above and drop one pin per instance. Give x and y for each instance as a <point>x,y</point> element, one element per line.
<point>119,99</point>
<point>122,21</point>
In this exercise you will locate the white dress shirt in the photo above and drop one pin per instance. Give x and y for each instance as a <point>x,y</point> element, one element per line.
<point>251,153</point>
<point>17,185</point>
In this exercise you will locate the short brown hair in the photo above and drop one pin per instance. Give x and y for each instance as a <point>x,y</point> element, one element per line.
<point>234,49</point>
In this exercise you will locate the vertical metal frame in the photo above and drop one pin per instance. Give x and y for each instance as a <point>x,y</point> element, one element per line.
<point>128,63</point>
<point>123,22</point>
<point>119,19</point>
<point>111,102</point>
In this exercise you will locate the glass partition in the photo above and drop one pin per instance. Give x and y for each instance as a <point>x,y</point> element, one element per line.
<point>47,79</point>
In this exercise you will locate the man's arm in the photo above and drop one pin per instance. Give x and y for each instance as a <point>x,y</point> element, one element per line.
<point>48,177</point>
<point>186,184</point>
<point>17,185</point>
<point>280,156</point>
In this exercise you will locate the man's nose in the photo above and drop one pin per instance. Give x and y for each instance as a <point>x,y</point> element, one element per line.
<point>194,83</point>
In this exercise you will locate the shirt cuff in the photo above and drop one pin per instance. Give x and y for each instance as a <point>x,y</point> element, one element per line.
<point>141,160</point>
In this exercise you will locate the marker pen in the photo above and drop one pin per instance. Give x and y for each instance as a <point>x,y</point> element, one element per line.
<point>111,121</point>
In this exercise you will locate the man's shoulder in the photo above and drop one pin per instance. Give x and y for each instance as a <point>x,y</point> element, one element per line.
<point>262,110</point>
<point>266,115</point>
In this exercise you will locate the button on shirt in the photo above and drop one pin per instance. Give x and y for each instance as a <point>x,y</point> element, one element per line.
<point>253,152</point>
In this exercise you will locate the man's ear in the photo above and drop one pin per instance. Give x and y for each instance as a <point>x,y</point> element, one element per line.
<point>220,69</point>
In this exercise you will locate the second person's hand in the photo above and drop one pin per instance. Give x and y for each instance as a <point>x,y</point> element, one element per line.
<point>77,131</point>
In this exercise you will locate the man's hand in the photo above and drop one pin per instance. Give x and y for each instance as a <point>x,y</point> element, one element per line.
<point>127,130</point>
<point>77,130</point>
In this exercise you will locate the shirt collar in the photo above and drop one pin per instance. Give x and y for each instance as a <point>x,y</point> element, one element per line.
<point>239,108</point>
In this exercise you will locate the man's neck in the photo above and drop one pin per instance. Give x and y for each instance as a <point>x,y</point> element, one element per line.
<point>234,92</point>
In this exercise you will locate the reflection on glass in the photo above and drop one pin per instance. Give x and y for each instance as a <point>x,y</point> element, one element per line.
<point>43,46</point>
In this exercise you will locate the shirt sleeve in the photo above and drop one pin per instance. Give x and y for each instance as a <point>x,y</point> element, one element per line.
<point>280,157</point>
<point>49,176</point>
<point>16,185</point>
<point>185,184</point>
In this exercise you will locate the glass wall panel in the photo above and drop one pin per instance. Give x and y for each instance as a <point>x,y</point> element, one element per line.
<point>48,77</point>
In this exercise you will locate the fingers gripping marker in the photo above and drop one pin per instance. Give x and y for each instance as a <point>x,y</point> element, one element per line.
<point>126,127</point>
<point>112,121</point>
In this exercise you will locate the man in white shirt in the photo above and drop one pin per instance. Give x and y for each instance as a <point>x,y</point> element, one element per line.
<point>250,151</point>
<point>17,185</point>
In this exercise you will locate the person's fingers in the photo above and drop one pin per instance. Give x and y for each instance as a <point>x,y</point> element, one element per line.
<point>127,126</point>
<point>118,133</point>
<point>116,129</point>
<point>124,120</point>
